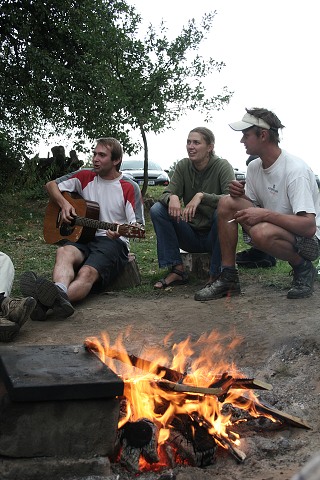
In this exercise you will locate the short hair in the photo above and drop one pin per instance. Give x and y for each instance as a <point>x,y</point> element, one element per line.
<point>206,133</point>
<point>115,147</point>
<point>271,119</point>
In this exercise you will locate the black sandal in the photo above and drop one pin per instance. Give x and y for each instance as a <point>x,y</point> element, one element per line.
<point>184,279</point>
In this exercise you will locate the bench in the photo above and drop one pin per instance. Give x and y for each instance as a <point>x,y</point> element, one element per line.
<point>197,265</point>
<point>129,277</point>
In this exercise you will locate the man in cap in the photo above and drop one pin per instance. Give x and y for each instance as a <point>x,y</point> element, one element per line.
<point>286,223</point>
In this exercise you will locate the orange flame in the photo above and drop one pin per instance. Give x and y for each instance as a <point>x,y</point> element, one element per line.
<point>199,364</point>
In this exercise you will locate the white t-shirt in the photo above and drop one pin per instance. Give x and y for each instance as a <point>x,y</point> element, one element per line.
<point>288,186</point>
<point>119,200</point>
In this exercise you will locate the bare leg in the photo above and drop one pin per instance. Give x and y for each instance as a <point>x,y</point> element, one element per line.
<point>276,241</point>
<point>80,287</point>
<point>228,232</point>
<point>68,258</point>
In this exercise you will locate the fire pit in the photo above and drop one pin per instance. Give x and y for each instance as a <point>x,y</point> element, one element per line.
<point>59,412</point>
<point>65,413</point>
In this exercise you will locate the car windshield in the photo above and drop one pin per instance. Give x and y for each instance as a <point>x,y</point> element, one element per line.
<point>138,165</point>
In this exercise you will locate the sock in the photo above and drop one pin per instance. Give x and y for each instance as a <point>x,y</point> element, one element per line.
<point>62,287</point>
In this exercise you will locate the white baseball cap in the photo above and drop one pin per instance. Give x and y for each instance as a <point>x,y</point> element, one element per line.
<point>249,121</point>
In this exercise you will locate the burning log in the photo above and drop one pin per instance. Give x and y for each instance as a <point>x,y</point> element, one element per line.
<point>222,384</point>
<point>239,455</point>
<point>135,440</point>
<point>192,440</point>
<point>180,387</point>
<point>271,412</point>
<point>146,365</point>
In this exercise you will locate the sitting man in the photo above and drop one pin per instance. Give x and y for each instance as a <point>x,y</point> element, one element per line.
<point>14,312</point>
<point>278,209</point>
<point>79,266</point>
<point>200,181</point>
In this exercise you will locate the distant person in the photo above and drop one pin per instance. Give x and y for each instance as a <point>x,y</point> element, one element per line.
<point>80,266</point>
<point>185,217</point>
<point>14,312</point>
<point>278,209</point>
<point>254,258</point>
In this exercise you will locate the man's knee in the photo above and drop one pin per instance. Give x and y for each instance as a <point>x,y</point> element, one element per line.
<point>227,203</point>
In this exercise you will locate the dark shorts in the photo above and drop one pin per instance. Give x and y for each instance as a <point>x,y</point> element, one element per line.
<point>308,248</point>
<point>107,256</point>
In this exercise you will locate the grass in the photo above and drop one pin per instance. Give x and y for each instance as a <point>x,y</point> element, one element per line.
<point>21,237</point>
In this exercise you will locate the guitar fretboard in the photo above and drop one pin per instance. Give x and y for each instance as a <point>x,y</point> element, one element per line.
<point>91,223</point>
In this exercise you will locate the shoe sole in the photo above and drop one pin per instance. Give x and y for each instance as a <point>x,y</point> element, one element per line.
<point>231,293</point>
<point>28,284</point>
<point>9,332</point>
<point>48,293</point>
<point>43,290</point>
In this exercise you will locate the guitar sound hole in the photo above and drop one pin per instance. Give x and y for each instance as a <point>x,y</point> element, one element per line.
<point>66,230</point>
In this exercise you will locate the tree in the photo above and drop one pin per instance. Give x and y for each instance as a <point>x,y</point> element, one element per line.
<point>50,62</point>
<point>80,66</point>
<point>156,82</point>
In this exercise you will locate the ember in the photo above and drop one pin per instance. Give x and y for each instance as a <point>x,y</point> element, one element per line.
<point>180,410</point>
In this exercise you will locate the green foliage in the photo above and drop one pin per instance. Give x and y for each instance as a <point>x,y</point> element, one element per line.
<point>80,66</point>
<point>9,163</point>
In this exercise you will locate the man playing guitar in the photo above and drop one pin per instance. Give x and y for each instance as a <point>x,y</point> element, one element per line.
<point>80,266</point>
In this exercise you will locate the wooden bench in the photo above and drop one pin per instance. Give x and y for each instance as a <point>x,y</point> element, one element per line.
<point>129,277</point>
<point>196,264</point>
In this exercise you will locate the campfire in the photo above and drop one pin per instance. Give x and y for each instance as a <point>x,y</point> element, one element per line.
<point>184,406</point>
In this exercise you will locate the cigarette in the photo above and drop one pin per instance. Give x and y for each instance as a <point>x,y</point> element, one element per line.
<point>232,220</point>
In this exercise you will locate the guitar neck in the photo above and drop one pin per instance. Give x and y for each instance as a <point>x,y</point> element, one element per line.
<point>91,223</point>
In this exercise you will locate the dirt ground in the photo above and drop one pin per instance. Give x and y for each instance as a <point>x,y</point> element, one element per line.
<point>280,345</point>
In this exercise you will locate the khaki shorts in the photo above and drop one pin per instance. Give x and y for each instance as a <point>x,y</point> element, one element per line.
<point>308,248</point>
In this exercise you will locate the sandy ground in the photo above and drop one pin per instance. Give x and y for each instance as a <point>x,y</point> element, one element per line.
<point>280,343</point>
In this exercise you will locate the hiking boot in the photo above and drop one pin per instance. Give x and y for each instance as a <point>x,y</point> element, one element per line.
<point>18,310</point>
<point>227,285</point>
<point>303,280</point>
<point>52,296</point>
<point>8,330</point>
<point>254,258</point>
<point>47,294</point>
<point>28,286</point>
<point>39,313</point>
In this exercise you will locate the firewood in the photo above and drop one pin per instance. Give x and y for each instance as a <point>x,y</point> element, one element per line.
<point>183,388</point>
<point>173,375</point>
<point>145,365</point>
<point>273,412</point>
<point>239,455</point>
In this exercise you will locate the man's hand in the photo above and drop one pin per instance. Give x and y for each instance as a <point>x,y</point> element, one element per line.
<point>68,213</point>
<point>112,235</point>
<point>251,216</point>
<point>236,189</point>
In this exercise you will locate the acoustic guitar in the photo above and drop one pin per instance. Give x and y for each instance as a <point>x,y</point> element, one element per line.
<point>83,227</point>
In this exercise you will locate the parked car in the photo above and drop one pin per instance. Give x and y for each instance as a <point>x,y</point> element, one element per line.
<point>240,175</point>
<point>135,169</point>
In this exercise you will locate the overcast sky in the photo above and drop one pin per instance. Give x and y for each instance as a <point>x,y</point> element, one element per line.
<point>271,51</point>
